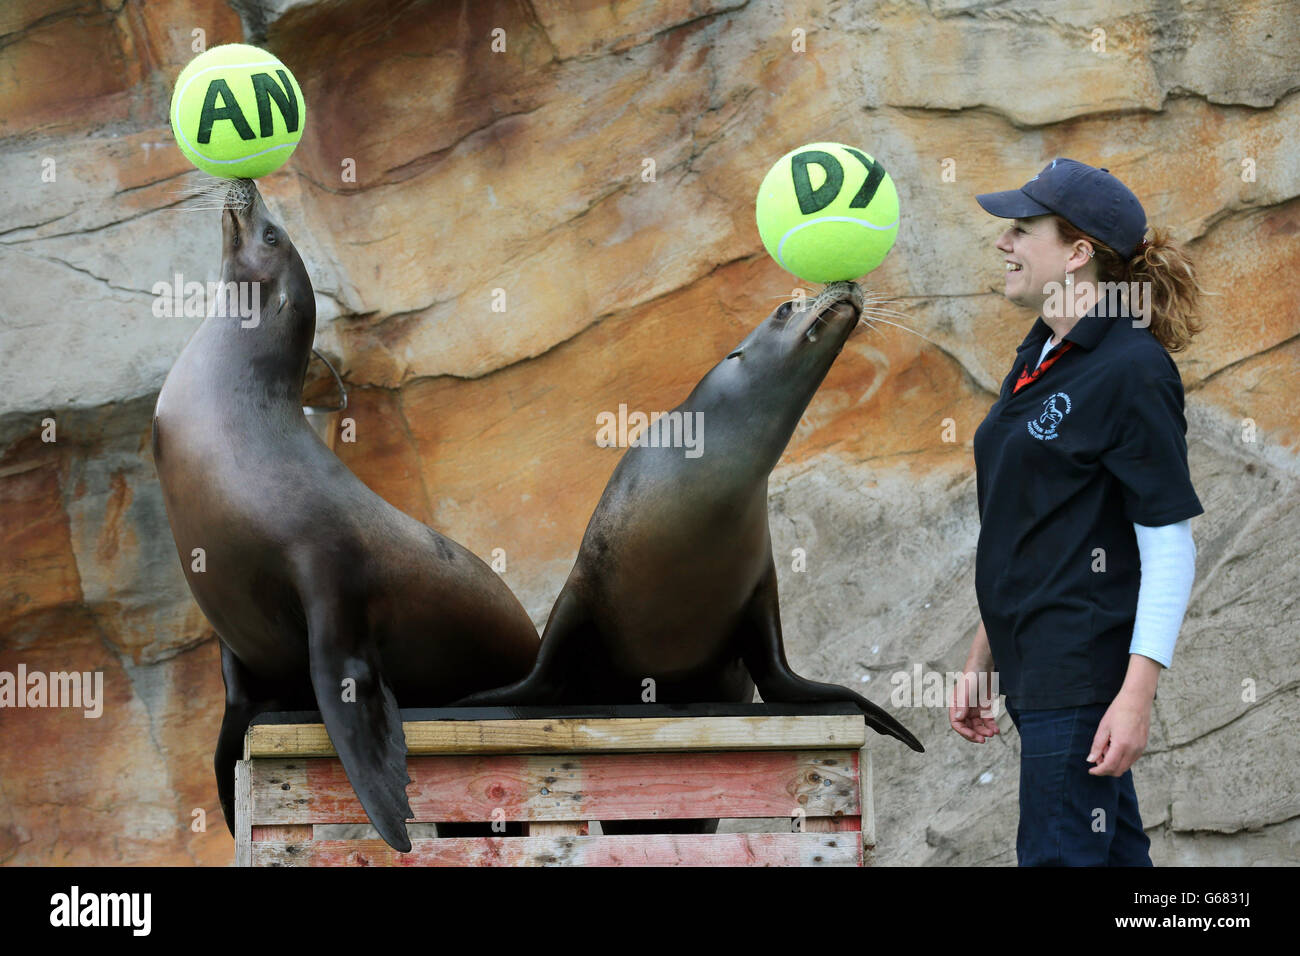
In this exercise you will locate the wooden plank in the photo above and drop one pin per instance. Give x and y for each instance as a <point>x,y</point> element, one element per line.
<point>570,828</point>
<point>282,833</point>
<point>462,788</point>
<point>723,849</point>
<point>832,825</point>
<point>570,711</point>
<point>867,797</point>
<point>565,735</point>
<point>851,827</point>
<point>243,814</point>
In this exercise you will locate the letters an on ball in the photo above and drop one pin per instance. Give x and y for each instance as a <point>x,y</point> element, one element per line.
<point>237,112</point>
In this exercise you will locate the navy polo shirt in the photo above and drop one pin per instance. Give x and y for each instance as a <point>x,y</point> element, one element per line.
<point>1064,468</point>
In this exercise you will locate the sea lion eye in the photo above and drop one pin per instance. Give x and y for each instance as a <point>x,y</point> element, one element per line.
<point>736,354</point>
<point>269,235</point>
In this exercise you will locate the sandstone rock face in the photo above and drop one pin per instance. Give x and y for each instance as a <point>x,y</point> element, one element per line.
<point>517,216</point>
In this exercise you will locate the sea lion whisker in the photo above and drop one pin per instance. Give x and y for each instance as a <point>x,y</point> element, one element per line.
<point>882,302</point>
<point>208,189</point>
<point>906,329</point>
<point>880,299</point>
<point>194,186</point>
<point>884,307</point>
<point>883,311</point>
<point>193,200</point>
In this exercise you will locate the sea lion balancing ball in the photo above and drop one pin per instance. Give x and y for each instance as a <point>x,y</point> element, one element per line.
<point>237,112</point>
<point>827,212</point>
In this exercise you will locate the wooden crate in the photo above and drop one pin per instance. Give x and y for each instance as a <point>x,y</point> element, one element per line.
<point>556,770</point>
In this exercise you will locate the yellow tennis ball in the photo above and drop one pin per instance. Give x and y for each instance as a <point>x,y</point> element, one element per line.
<point>237,111</point>
<point>827,212</point>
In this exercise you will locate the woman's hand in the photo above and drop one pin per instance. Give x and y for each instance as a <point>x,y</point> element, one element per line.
<point>1122,734</point>
<point>966,710</point>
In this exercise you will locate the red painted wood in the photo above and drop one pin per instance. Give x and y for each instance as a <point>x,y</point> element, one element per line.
<point>833,824</point>
<point>566,787</point>
<point>283,833</point>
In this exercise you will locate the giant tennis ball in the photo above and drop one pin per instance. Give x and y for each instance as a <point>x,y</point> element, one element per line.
<point>237,111</point>
<point>827,212</point>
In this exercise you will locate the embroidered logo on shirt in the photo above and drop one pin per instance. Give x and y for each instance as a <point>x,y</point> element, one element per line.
<point>1055,407</point>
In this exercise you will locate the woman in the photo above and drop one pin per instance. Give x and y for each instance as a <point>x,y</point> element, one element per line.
<point>1085,557</point>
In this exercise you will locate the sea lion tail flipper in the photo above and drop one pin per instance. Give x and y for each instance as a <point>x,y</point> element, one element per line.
<point>545,683</point>
<point>763,650</point>
<point>360,714</point>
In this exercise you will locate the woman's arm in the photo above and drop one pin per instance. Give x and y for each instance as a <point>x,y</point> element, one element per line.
<point>964,713</point>
<point>1168,557</point>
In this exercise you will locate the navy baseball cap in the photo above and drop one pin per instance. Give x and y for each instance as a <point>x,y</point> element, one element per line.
<point>1091,200</point>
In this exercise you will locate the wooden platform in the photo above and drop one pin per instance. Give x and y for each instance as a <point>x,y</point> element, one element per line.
<point>555,770</point>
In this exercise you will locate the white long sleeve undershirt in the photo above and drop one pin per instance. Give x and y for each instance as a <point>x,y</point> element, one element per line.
<point>1168,556</point>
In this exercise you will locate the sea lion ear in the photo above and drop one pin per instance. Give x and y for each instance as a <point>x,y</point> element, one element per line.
<point>284,297</point>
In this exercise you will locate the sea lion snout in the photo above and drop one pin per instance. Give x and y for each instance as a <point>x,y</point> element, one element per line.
<point>840,296</point>
<point>258,251</point>
<point>844,311</point>
<point>250,236</point>
<point>240,194</point>
<point>242,209</point>
<point>838,306</point>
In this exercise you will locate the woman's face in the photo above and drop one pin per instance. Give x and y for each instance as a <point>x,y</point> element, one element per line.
<point>1035,256</point>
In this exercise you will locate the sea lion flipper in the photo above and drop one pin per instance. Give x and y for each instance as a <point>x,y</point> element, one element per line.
<point>545,683</point>
<point>360,714</point>
<point>763,651</point>
<point>240,709</point>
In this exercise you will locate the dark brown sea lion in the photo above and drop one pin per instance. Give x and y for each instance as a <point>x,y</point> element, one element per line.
<point>324,595</point>
<point>675,580</point>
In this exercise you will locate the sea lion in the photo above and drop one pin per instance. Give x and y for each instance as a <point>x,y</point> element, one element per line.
<point>324,595</point>
<point>675,580</point>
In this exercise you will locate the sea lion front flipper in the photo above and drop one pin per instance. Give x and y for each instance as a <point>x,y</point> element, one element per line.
<point>555,665</point>
<point>240,709</point>
<point>763,651</point>
<point>359,710</point>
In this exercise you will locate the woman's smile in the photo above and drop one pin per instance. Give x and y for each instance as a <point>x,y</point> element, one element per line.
<point>1034,256</point>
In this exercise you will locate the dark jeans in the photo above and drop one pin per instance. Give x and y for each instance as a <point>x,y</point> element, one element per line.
<point>1067,816</point>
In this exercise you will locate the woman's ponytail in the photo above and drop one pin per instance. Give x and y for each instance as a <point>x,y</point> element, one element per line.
<point>1165,266</point>
<point>1175,293</point>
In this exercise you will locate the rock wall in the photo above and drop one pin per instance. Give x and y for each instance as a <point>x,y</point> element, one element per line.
<point>528,171</point>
